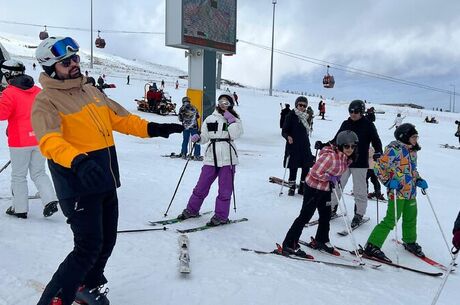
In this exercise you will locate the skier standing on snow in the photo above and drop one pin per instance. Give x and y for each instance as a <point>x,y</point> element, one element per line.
<point>297,153</point>
<point>188,116</point>
<point>397,169</point>
<point>15,106</point>
<point>74,124</point>
<point>367,134</point>
<point>284,113</point>
<point>457,134</point>
<point>220,129</point>
<point>332,162</point>
<point>370,114</point>
<point>322,110</point>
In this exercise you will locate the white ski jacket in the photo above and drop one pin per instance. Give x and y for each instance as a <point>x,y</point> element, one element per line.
<point>220,136</point>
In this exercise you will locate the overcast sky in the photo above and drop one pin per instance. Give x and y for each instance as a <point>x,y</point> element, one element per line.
<point>414,40</point>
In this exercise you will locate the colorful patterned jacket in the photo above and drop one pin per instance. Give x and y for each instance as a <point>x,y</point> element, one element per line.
<point>400,163</point>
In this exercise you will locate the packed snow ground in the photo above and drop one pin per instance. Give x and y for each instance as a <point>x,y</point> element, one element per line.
<point>144,266</point>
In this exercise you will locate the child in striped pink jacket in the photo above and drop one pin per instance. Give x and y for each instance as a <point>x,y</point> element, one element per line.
<point>332,162</point>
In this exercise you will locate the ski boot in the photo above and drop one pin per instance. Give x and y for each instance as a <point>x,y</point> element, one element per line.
<point>94,296</point>
<point>186,215</point>
<point>326,247</point>
<point>371,195</point>
<point>295,251</point>
<point>50,208</point>
<point>374,251</point>
<point>10,211</point>
<point>414,248</point>
<point>215,221</point>
<point>56,301</point>
<point>357,219</point>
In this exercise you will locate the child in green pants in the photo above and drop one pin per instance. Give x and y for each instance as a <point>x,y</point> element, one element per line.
<point>397,169</point>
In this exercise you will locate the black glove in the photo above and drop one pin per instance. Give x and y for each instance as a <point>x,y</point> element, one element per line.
<point>163,130</point>
<point>318,145</point>
<point>376,156</point>
<point>88,171</point>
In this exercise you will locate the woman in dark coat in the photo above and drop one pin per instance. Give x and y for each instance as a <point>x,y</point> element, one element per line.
<point>297,144</point>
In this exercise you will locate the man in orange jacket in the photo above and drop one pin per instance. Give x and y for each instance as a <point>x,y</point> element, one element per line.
<point>74,123</point>
<point>15,106</point>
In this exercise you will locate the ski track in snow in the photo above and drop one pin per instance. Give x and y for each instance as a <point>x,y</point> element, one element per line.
<point>143,267</point>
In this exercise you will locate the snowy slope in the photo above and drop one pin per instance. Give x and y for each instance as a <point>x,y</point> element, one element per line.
<point>143,267</point>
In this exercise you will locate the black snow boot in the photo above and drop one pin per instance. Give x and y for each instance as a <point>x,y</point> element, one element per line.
<point>10,211</point>
<point>356,221</point>
<point>50,208</point>
<point>415,249</point>
<point>94,296</point>
<point>296,251</point>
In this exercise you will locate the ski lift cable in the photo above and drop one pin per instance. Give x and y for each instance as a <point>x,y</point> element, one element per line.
<point>282,52</point>
<point>350,69</point>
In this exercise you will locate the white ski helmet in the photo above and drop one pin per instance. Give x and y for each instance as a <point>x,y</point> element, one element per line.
<point>54,49</point>
<point>12,68</point>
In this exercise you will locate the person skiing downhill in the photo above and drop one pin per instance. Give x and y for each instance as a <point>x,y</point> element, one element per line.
<point>74,124</point>
<point>367,134</point>
<point>15,106</point>
<point>220,129</point>
<point>398,121</point>
<point>333,160</point>
<point>297,153</point>
<point>397,169</point>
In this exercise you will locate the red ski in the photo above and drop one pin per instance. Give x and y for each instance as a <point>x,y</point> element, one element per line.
<point>425,259</point>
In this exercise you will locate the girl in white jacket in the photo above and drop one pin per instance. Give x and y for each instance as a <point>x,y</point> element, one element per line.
<point>219,130</point>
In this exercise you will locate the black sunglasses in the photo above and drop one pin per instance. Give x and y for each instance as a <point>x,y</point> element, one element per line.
<point>348,146</point>
<point>355,111</point>
<point>302,105</point>
<point>68,61</point>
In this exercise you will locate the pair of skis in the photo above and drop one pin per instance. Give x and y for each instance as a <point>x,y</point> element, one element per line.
<point>309,258</point>
<point>194,229</point>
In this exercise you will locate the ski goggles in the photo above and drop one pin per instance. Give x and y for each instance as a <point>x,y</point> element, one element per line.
<point>63,46</point>
<point>68,61</point>
<point>355,111</point>
<point>224,102</point>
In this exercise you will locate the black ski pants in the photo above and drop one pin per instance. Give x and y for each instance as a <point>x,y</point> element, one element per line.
<point>293,174</point>
<point>93,220</point>
<point>312,199</point>
<point>374,180</point>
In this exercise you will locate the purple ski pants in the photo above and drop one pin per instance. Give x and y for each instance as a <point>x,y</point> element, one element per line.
<point>208,174</point>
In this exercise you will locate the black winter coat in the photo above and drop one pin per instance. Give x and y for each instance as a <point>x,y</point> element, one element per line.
<point>299,151</point>
<point>367,134</point>
<point>283,115</point>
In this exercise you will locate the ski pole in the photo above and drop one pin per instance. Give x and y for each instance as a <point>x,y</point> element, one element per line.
<point>346,221</point>
<point>446,276</point>
<point>439,224</point>
<point>5,166</point>
<point>233,174</point>
<point>284,176</point>
<point>396,224</point>
<point>142,230</point>
<point>180,179</point>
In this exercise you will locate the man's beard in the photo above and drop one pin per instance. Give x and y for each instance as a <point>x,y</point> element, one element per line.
<point>75,73</point>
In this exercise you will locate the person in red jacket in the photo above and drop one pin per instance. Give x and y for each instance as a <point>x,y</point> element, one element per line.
<point>15,106</point>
